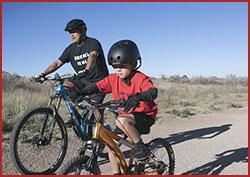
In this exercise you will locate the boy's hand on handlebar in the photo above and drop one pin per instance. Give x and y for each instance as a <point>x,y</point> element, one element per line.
<point>40,78</point>
<point>132,102</point>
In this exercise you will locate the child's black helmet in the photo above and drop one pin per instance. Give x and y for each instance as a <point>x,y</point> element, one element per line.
<point>75,24</point>
<point>124,51</point>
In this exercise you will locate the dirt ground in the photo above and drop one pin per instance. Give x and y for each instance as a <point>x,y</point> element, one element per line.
<point>209,144</point>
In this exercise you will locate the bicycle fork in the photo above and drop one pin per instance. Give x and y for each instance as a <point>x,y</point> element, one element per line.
<point>46,140</point>
<point>92,162</point>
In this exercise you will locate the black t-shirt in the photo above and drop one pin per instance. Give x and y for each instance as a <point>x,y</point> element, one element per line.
<point>78,57</point>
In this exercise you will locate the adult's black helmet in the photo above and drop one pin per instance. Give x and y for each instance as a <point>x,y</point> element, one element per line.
<point>124,51</point>
<point>75,24</point>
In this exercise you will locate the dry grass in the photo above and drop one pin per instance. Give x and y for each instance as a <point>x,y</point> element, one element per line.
<point>186,99</point>
<point>176,97</point>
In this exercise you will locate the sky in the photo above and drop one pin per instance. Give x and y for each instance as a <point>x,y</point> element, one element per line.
<point>174,38</point>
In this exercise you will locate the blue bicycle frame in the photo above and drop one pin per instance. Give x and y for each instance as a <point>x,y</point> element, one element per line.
<point>81,121</point>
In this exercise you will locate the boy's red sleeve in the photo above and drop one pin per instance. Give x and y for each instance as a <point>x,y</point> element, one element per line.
<point>147,84</point>
<point>104,85</point>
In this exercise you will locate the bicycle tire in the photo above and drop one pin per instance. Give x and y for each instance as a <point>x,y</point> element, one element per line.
<point>164,153</point>
<point>30,157</point>
<point>78,163</point>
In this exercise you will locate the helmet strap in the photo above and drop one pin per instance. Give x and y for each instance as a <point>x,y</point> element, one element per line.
<point>128,79</point>
<point>82,39</point>
<point>139,65</point>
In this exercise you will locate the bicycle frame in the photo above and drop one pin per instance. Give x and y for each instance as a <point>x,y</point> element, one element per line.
<point>81,121</point>
<point>108,138</point>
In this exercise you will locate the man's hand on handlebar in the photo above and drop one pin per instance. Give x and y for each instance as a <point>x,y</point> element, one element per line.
<point>80,75</point>
<point>40,78</point>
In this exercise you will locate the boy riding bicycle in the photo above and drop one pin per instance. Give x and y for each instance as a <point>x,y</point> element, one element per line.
<point>136,88</point>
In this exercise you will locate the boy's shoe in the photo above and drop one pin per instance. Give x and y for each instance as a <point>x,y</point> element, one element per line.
<point>141,152</point>
<point>69,123</point>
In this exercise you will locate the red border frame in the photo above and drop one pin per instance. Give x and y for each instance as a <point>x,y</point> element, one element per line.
<point>95,1</point>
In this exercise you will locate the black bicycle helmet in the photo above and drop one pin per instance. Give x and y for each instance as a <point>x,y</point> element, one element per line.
<point>75,24</point>
<point>124,51</point>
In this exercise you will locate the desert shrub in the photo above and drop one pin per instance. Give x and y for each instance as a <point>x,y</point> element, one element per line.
<point>235,105</point>
<point>233,80</point>
<point>206,80</point>
<point>203,96</point>
<point>181,113</point>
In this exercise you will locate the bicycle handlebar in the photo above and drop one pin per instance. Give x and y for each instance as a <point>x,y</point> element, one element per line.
<point>111,105</point>
<point>56,78</point>
<point>116,103</point>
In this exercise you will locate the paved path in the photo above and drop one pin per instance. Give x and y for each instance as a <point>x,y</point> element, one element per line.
<point>211,144</point>
<point>214,144</point>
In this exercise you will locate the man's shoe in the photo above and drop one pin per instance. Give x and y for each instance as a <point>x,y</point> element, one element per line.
<point>141,152</point>
<point>69,123</point>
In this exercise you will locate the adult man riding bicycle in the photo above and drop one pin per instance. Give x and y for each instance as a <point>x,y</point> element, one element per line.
<point>86,57</point>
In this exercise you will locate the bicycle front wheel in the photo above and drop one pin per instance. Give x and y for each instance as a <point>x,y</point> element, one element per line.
<point>78,166</point>
<point>38,142</point>
<point>162,157</point>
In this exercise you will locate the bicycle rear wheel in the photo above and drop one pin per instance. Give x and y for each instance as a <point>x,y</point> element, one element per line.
<point>162,157</point>
<point>78,166</point>
<point>31,150</point>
